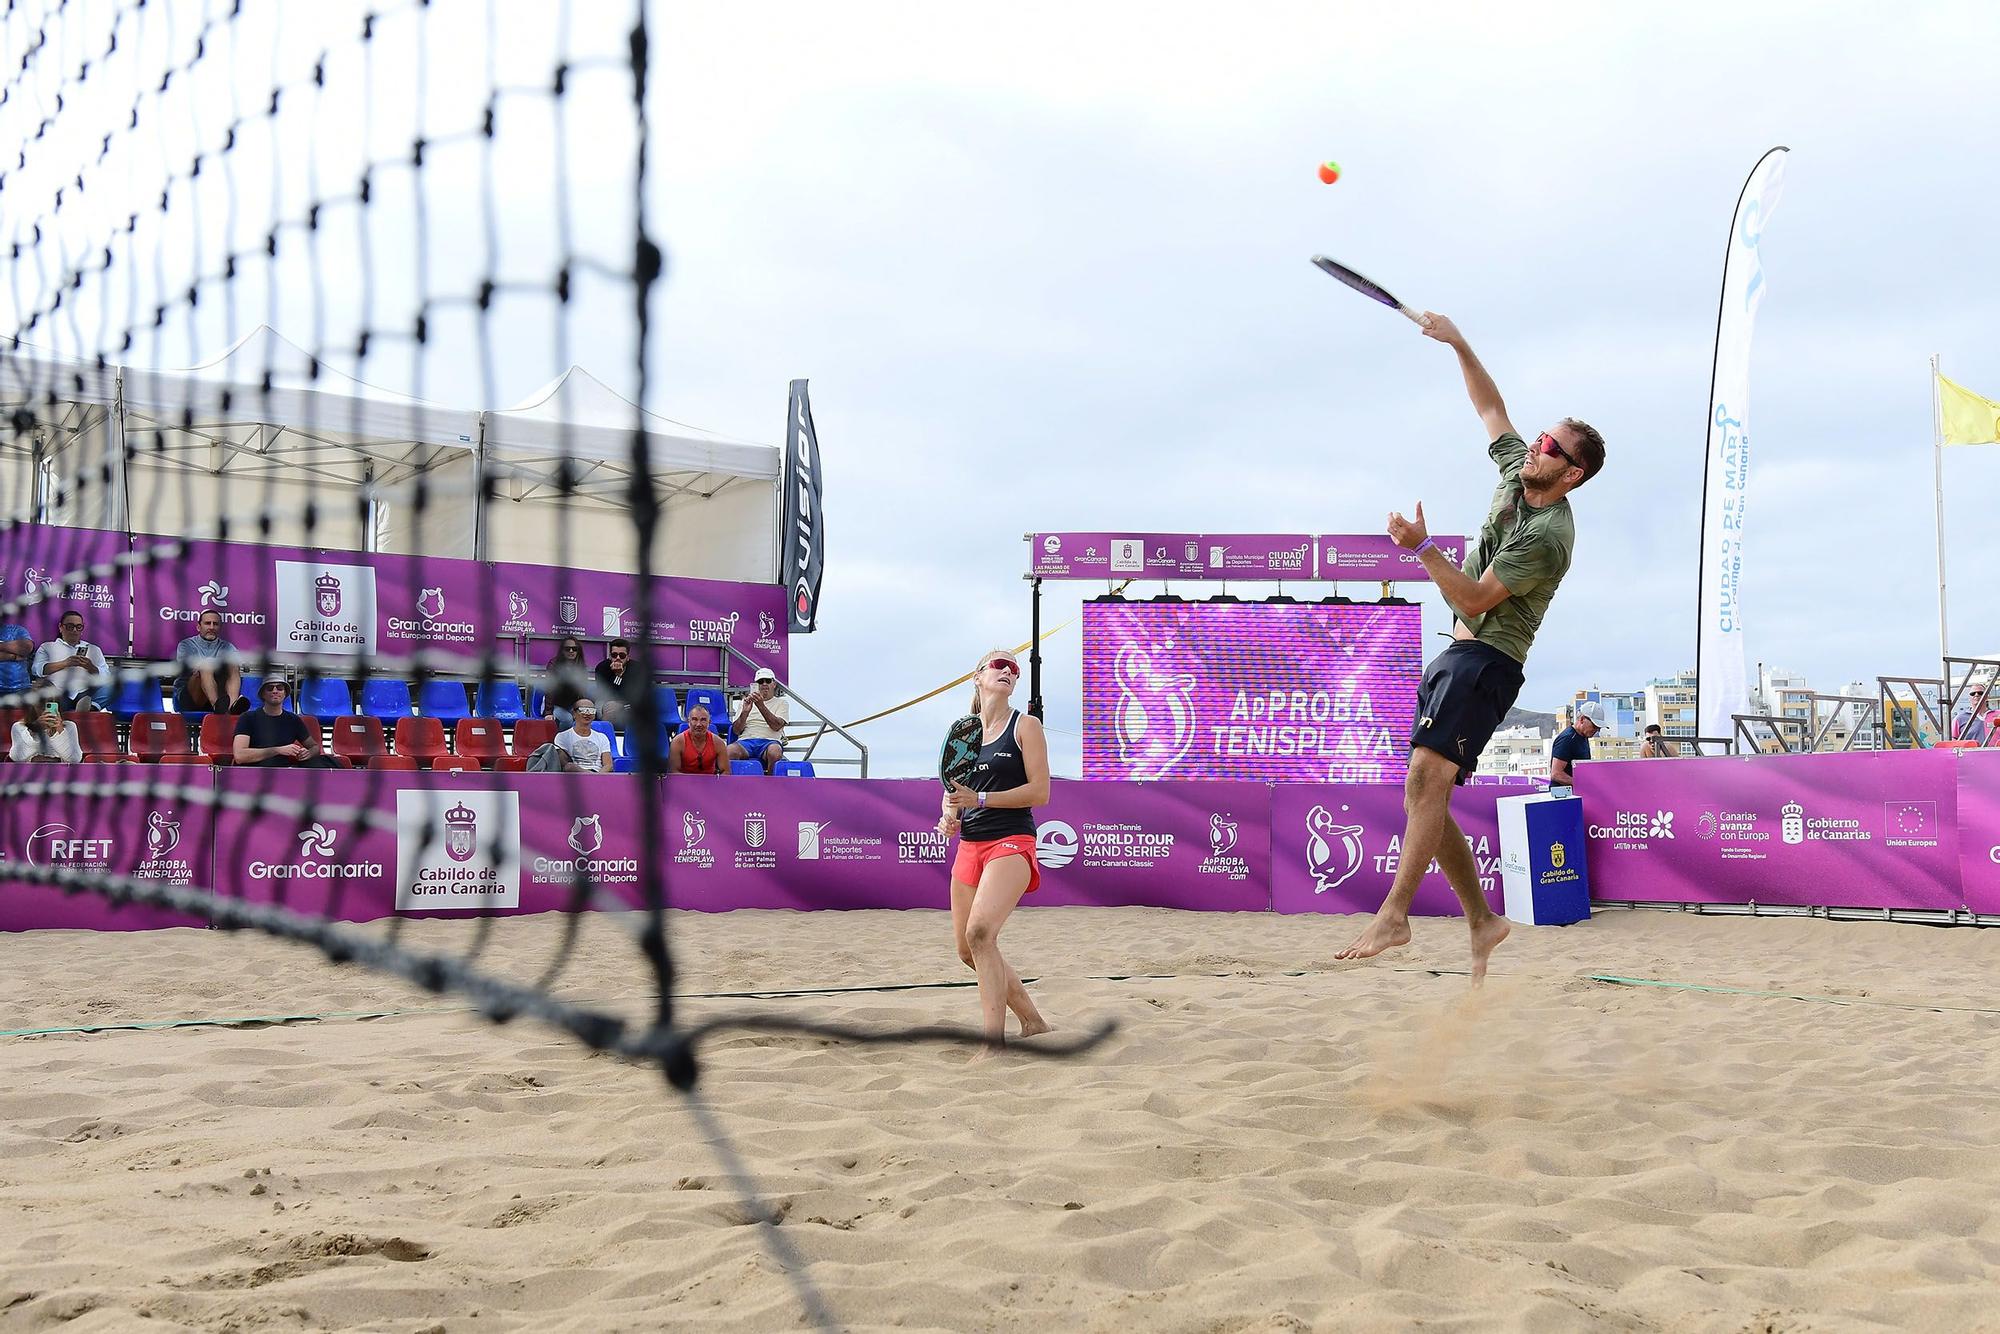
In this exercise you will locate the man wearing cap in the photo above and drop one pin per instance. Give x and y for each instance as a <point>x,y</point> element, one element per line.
<point>760,723</point>
<point>1970,722</point>
<point>1573,744</point>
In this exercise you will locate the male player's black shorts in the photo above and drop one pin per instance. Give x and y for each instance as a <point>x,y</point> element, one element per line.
<point>1467,690</point>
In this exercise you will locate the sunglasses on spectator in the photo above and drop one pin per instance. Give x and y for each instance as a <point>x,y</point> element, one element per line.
<point>1005,665</point>
<point>586,710</point>
<point>572,648</point>
<point>617,657</point>
<point>1547,444</point>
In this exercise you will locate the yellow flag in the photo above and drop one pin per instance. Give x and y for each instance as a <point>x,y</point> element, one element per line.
<point>1968,418</point>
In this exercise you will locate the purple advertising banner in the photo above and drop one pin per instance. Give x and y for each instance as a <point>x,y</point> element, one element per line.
<point>162,836</point>
<point>499,844</point>
<point>1979,828</point>
<point>34,560</point>
<point>1118,555</point>
<point>1336,849</point>
<point>1249,691</point>
<point>1835,830</point>
<point>1376,556</point>
<point>875,845</point>
<point>291,600</point>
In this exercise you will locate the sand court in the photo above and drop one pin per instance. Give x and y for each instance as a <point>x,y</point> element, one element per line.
<point>1271,1142</point>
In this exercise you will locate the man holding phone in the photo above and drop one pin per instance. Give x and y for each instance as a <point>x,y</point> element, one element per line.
<point>75,670</point>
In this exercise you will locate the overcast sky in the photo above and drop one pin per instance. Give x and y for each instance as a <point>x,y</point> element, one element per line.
<point>1046,268</point>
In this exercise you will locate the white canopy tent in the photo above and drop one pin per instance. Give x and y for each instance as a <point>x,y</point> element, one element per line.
<point>265,430</point>
<point>718,497</point>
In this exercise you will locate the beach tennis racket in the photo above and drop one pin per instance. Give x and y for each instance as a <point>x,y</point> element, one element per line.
<point>961,751</point>
<point>1368,287</point>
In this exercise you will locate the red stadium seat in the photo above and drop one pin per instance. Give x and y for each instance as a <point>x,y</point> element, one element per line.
<point>218,737</point>
<point>97,734</point>
<point>532,732</point>
<point>397,763</point>
<point>356,738</point>
<point>511,764</point>
<point>454,764</point>
<point>177,758</point>
<point>155,735</point>
<point>420,738</point>
<point>479,739</point>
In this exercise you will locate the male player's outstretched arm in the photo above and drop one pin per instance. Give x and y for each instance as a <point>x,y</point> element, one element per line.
<point>1479,385</point>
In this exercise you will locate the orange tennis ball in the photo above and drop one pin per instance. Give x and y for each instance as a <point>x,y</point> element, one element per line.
<point>1329,172</point>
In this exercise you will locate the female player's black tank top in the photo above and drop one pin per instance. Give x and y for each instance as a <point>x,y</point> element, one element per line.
<point>1000,768</point>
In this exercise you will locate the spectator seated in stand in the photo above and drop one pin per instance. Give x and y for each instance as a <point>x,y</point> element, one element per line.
<point>563,683</point>
<point>760,723</point>
<point>73,668</point>
<point>45,739</point>
<point>697,750</point>
<point>622,681</point>
<point>211,679</point>
<point>1969,723</point>
<point>17,650</point>
<point>584,749</point>
<point>271,738</point>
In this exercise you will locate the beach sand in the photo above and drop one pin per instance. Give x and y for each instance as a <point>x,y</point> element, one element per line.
<point>1365,1146</point>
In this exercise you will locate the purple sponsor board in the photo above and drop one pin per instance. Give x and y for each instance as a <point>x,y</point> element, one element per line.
<point>37,560</point>
<point>874,845</point>
<point>1118,556</point>
<point>163,836</point>
<point>334,865</point>
<point>1376,556</point>
<point>1979,828</point>
<point>1836,831</point>
<point>1336,849</point>
<point>171,591</point>
<point>1249,691</point>
<point>542,603</point>
<point>1256,556</point>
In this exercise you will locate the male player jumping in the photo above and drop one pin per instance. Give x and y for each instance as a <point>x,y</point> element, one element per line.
<point>1510,575</point>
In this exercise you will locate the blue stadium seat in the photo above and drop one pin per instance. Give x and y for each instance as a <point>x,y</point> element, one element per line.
<point>535,702</point>
<point>387,700</point>
<point>718,708</point>
<point>135,695</point>
<point>624,764</point>
<point>610,736</point>
<point>443,700</point>
<point>251,685</point>
<point>500,700</point>
<point>793,769</point>
<point>325,699</point>
<point>628,742</point>
<point>749,767</point>
<point>670,708</point>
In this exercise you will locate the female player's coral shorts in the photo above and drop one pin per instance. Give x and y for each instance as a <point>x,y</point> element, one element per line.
<point>973,858</point>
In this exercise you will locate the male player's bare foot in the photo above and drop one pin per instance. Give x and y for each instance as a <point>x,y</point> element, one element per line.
<point>1486,937</point>
<point>1384,933</point>
<point>1037,1028</point>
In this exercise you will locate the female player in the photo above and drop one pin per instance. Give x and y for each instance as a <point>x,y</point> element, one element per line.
<point>995,866</point>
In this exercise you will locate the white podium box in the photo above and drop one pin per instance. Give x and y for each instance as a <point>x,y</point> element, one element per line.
<point>1541,859</point>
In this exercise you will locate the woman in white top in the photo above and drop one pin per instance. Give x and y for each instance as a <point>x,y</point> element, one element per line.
<point>46,739</point>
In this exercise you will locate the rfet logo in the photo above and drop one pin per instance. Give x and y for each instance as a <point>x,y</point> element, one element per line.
<point>1153,720</point>
<point>1333,849</point>
<point>1055,845</point>
<point>461,832</point>
<point>58,845</point>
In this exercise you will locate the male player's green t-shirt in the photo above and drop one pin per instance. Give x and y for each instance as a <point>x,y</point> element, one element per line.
<point>1528,550</point>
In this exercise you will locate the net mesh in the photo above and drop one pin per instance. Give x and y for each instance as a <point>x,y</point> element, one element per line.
<point>253,250</point>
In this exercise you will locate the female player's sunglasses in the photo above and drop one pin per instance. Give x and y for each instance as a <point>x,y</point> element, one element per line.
<point>1547,444</point>
<point>1005,665</point>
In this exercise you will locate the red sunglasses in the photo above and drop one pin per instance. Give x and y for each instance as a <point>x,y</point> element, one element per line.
<point>1547,444</point>
<point>1005,665</point>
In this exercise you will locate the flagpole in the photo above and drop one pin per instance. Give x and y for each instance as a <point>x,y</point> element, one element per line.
<point>1937,469</point>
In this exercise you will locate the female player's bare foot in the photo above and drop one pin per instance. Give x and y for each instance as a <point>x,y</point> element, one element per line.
<point>1384,933</point>
<point>1486,936</point>
<point>1037,1028</point>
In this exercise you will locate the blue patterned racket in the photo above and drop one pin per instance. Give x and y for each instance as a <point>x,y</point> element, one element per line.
<point>961,750</point>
